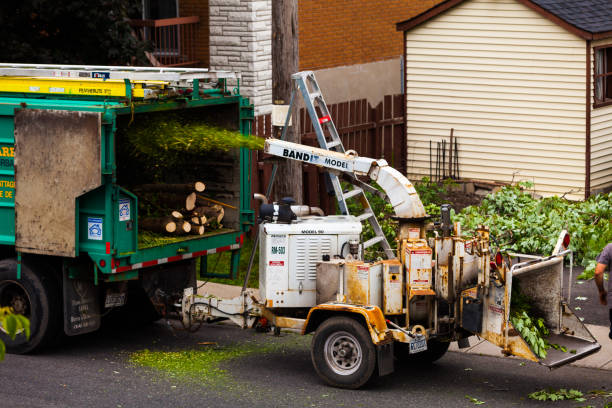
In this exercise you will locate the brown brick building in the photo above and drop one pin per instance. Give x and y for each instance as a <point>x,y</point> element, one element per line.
<point>198,8</point>
<point>344,41</point>
<point>348,32</point>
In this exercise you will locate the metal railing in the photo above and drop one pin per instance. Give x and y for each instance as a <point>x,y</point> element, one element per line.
<point>174,39</point>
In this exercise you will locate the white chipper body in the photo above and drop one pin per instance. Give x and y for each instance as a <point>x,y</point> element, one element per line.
<point>437,286</point>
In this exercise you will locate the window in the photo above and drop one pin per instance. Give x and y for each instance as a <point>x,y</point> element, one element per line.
<point>603,75</point>
<point>159,9</point>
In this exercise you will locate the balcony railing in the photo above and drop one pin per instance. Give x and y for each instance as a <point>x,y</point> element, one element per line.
<point>174,39</point>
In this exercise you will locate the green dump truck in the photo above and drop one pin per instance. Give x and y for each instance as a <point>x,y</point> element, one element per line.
<point>69,232</point>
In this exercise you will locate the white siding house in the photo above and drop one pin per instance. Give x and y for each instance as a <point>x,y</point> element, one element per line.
<point>512,79</point>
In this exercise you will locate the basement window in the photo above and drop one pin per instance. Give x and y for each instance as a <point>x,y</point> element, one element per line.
<point>603,75</point>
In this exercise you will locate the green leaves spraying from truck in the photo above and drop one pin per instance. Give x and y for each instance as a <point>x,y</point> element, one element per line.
<point>170,137</point>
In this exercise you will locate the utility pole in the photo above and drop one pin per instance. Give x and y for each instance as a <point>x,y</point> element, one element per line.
<point>285,62</point>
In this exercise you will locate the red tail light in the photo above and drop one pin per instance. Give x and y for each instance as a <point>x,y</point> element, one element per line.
<point>566,240</point>
<point>499,259</point>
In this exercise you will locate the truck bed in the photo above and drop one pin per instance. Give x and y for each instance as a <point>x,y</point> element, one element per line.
<point>148,239</point>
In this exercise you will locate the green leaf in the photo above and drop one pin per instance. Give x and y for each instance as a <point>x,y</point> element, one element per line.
<point>474,401</point>
<point>10,325</point>
<point>24,324</point>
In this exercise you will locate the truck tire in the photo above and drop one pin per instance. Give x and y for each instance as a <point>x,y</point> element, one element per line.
<point>36,296</point>
<point>435,350</point>
<point>342,352</point>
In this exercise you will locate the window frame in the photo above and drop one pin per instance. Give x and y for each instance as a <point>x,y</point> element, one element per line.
<point>597,103</point>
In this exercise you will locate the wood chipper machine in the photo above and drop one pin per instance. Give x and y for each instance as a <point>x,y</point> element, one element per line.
<point>439,285</point>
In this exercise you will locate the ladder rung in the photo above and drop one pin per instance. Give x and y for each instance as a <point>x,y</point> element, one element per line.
<point>354,192</point>
<point>372,241</point>
<point>365,216</point>
<point>333,144</point>
<point>315,95</point>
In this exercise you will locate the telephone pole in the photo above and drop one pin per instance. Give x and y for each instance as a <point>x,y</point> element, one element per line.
<point>285,62</point>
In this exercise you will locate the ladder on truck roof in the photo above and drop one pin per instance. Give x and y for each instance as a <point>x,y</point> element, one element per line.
<point>175,76</point>
<point>306,82</point>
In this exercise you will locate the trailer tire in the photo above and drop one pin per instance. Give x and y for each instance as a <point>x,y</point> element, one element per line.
<point>37,296</point>
<point>435,350</point>
<point>342,352</point>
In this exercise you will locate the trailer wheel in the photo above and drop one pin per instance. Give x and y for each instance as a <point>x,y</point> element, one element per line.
<point>37,297</point>
<point>342,352</point>
<point>435,350</point>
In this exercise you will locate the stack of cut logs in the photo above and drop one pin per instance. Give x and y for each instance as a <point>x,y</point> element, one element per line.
<point>190,217</point>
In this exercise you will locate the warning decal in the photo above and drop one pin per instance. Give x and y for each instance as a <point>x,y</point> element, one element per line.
<point>124,209</point>
<point>94,228</point>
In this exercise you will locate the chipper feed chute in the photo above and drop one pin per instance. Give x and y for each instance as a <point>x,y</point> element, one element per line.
<point>538,284</point>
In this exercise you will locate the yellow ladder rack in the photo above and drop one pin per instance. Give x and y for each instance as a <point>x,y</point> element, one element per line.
<point>86,86</point>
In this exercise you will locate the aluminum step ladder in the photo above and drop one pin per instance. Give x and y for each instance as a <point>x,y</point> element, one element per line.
<point>306,82</point>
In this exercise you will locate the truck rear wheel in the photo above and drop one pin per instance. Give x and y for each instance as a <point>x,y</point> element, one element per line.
<point>342,353</point>
<point>435,350</point>
<point>37,297</point>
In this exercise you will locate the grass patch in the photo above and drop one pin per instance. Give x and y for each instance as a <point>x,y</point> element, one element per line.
<point>220,263</point>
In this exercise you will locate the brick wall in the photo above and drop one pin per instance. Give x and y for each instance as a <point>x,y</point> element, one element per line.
<point>241,41</point>
<point>347,32</point>
<point>198,8</point>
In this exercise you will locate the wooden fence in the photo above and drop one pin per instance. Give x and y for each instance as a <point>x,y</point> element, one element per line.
<point>376,132</point>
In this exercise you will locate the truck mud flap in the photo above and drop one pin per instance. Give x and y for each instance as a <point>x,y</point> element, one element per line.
<point>81,305</point>
<point>384,357</point>
<point>540,280</point>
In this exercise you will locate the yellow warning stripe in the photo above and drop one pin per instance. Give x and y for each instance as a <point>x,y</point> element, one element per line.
<point>89,86</point>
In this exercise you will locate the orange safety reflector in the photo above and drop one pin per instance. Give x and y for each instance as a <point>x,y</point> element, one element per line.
<point>499,259</point>
<point>324,119</point>
<point>566,240</point>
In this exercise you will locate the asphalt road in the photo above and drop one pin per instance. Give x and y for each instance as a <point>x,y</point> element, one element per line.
<point>584,300</point>
<point>94,371</point>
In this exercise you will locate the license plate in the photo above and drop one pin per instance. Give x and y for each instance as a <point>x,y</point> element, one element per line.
<point>114,300</point>
<point>418,344</point>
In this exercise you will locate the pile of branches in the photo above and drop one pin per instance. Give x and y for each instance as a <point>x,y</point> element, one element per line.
<point>525,224</point>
